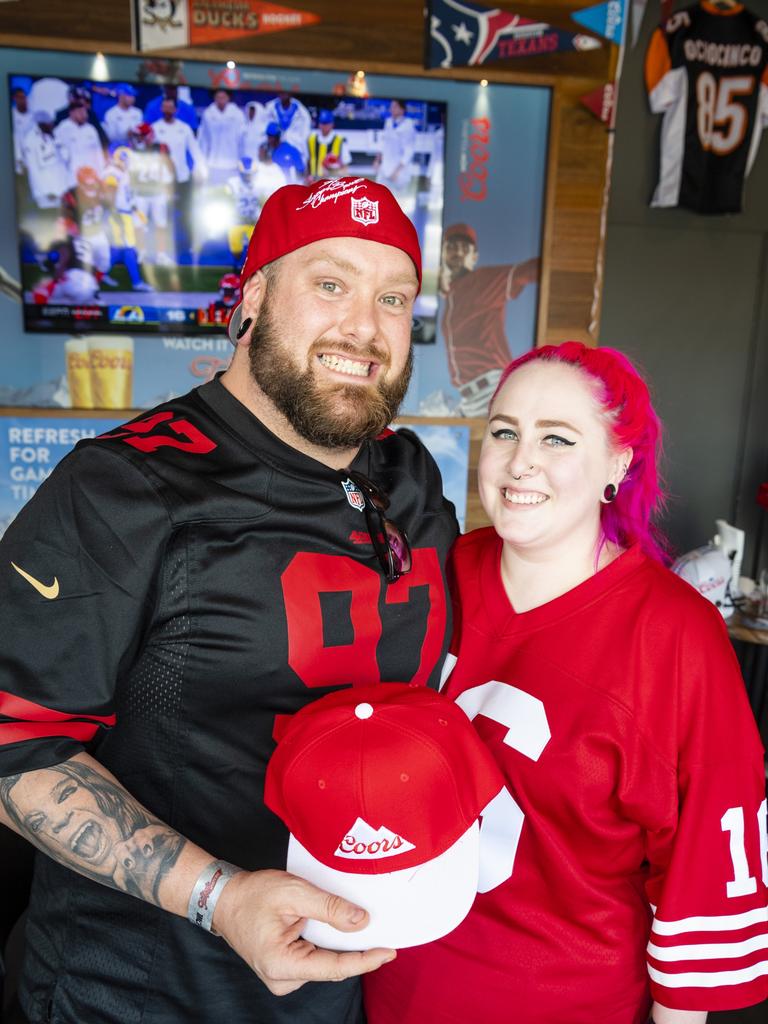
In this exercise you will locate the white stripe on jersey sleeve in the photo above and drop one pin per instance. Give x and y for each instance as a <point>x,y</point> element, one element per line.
<point>708,950</point>
<point>710,979</point>
<point>717,923</point>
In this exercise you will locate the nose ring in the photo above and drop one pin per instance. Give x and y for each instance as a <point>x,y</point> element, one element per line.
<point>521,475</point>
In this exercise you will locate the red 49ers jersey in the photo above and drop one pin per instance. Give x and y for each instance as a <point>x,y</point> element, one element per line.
<point>706,70</point>
<point>208,578</point>
<point>627,859</point>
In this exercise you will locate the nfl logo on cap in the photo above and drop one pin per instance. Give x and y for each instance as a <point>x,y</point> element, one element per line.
<point>365,210</point>
<point>381,788</point>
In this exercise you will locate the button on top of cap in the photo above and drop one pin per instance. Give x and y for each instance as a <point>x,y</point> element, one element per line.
<point>363,711</point>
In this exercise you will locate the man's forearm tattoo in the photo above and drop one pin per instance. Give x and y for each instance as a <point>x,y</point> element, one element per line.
<point>87,822</point>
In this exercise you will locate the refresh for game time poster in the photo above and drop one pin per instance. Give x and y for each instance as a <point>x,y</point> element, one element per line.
<point>136,184</point>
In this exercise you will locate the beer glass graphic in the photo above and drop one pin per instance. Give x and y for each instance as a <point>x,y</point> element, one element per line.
<point>78,364</point>
<point>111,360</point>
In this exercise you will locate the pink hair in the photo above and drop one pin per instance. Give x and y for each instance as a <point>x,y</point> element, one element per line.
<point>632,423</point>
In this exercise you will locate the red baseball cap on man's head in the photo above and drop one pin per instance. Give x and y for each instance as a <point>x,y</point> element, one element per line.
<point>297,215</point>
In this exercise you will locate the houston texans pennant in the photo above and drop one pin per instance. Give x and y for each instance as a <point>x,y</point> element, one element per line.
<point>461,34</point>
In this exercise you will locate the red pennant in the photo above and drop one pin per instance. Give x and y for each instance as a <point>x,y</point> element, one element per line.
<point>600,102</point>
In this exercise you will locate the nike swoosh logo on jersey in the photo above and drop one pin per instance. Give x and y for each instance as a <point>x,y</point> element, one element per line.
<point>48,591</point>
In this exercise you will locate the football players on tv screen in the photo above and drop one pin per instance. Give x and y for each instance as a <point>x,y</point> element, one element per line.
<point>135,202</point>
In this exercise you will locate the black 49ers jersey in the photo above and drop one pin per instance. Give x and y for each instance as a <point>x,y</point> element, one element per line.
<point>706,70</point>
<point>208,578</point>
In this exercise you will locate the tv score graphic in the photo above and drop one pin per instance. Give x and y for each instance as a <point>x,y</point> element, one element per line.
<point>127,314</point>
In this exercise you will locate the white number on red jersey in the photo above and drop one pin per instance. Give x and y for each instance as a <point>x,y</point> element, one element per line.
<point>528,733</point>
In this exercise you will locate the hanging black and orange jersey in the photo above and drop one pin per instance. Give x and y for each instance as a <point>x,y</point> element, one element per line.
<point>706,70</point>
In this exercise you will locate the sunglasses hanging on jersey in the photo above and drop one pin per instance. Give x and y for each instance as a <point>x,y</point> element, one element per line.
<point>389,541</point>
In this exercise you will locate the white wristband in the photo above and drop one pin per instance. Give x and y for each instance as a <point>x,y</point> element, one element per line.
<point>207,889</point>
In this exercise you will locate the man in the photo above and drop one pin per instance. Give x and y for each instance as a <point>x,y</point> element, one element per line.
<point>79,141</point>
<point>268,176</point>
<point>180,141</point>
<point>254,126</point>
<point>329,155</point>
<point>123,116</point>
<point>394,159</point>
<point>221,127</point>
<point>22,122</point>
<point>45,163</point>
<point>180,582</point>
<point>246,203</point>
<point>220,310</point>
<point>123,215</point>
<point>475,301</point>
<point>292,118</point>
<point>285,155</point>
<point>151,182</point>
<point>84,214</point>
<point>187,159</point>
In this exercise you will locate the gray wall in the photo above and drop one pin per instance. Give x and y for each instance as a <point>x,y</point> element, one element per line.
<point>686,296</point>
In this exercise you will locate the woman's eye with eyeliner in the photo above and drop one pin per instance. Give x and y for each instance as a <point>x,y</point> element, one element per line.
<point>504,434</point>
<point>555,441</point>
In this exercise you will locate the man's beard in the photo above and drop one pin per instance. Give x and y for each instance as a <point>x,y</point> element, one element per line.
<point>331,416</point>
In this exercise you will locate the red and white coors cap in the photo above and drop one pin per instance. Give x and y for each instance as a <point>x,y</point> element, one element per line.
<point>296,215</point>
<point>381,788</point>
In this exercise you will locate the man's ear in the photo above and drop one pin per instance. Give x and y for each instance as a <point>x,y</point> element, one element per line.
<point>253,296</point>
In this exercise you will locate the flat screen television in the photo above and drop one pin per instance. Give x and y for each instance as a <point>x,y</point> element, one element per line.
<point>135,201</point>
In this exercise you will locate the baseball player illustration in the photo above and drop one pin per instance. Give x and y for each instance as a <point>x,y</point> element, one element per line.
<point>474,305</point>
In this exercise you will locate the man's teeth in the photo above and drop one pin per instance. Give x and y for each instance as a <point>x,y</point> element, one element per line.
<point>357,369</point>
<point>524,499</point>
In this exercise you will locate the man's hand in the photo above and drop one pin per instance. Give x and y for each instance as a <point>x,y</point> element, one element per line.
<point>261,914</point>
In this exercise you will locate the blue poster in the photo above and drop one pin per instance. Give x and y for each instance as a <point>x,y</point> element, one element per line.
<point>29,449</point>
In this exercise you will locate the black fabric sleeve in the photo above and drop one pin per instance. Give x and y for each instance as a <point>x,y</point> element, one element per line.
<point>78,572</point>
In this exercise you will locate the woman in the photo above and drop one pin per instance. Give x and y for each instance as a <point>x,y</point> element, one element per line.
<point>608,691</point>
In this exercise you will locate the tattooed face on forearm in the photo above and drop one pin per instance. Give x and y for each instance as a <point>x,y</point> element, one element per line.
<point>86,821</point>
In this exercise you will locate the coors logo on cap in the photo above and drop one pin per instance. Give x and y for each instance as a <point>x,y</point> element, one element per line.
<point>367,843</point>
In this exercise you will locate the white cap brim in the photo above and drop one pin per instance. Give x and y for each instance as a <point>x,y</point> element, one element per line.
<point>406,907</point>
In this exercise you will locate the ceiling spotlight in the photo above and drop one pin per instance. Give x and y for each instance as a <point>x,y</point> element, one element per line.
<point>484,82</point>
<point>231,65</point>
